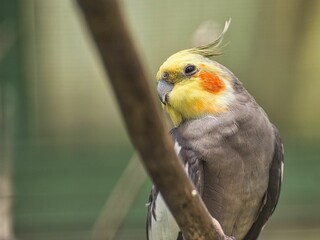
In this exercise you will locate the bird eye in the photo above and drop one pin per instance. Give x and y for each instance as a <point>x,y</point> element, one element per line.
<point>165,76</point>
<point>190,70</point>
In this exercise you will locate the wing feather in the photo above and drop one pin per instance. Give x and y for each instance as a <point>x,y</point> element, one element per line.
<point>273,192</point>
<point>194,168</point>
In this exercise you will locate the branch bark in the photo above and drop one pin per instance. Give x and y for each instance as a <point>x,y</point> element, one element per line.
<point>143,121</point>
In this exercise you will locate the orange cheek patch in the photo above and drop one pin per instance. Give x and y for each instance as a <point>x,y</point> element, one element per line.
<point>211,82</point>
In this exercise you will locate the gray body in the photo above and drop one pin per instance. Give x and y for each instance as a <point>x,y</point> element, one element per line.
<point>235,160</point>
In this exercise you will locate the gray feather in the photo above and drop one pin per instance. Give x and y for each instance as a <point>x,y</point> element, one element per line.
<point>237,150</point>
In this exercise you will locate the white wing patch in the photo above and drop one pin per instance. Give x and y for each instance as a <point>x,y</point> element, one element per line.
<point>177,147</point>
<point>165,227</point>
<point>282,166</point>
<point>186,168</point>
<point>282,163</point>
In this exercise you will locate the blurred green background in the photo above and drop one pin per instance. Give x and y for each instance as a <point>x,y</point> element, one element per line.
<point>63,145</point>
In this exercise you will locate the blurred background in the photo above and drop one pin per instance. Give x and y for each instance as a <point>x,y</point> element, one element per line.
<point>64,151</point>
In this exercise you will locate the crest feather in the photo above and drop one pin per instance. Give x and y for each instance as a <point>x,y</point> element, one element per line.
<point>213,48</point>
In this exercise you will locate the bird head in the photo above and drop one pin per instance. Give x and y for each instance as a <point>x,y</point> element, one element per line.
<point>190,85</point>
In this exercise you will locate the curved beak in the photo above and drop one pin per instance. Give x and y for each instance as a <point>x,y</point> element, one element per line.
<point>164,88</point>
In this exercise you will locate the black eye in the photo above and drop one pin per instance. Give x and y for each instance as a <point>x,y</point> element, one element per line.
<point>190,70</point>
<point>165,76</point>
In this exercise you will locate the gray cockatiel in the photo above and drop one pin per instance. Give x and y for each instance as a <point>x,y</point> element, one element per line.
<point>230,150</point>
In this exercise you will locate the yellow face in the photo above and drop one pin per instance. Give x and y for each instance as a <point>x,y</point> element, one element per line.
<point>191,86</point>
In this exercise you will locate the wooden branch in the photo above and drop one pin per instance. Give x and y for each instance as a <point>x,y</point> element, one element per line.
<point>143,122</point>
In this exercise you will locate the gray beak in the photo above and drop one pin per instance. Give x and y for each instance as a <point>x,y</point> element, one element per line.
<point>164,88</point>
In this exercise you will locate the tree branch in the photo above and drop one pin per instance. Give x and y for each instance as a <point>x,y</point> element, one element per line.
<point>143,122</point>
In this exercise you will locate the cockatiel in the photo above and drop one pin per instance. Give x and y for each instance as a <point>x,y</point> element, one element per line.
<point>231,151</point>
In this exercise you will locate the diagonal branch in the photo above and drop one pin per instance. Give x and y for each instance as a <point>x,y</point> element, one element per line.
<point>143,122</point>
